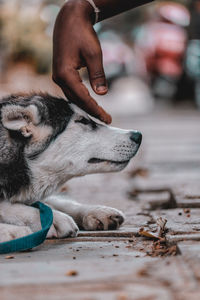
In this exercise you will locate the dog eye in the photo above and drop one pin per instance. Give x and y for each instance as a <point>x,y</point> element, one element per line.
<point>83,121</point>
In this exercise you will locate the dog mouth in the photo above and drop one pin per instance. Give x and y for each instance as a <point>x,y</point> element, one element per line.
<point>99,160</point>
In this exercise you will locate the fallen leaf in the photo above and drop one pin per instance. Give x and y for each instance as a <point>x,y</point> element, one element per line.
<point>72,273</point>
<point>147,233</point>
<point>9,257</point>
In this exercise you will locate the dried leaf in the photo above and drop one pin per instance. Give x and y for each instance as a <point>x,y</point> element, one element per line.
<point>161,222</point>
<point>148,234</point>
<point>72,273</point>
<point>9,257</point>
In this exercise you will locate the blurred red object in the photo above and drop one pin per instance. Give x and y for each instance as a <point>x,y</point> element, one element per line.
<point>162,40</point>
<point>161,44</point>
<point>165,49</point>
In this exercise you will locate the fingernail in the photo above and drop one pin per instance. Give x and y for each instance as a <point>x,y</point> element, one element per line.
<point>109,120</point>
<point>106,119</point>
<point>101,88</point>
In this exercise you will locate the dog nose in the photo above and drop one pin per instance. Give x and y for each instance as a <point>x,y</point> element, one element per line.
<point>136,137</point>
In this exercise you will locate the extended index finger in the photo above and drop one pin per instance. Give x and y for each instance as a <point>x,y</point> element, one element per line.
<point>74,89</point>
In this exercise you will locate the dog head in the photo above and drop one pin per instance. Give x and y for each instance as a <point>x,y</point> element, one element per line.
<point>53,141</point>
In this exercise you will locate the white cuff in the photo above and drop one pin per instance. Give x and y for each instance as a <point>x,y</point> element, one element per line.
<point>96,9</point>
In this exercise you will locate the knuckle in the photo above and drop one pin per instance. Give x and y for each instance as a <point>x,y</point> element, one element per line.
<point>94,53</point>
<point>98,75</point>
<point>61,76</point>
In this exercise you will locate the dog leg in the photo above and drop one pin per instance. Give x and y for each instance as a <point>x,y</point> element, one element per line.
<point>9,232</point>
<point>23,215</point>
<point>88,217</point>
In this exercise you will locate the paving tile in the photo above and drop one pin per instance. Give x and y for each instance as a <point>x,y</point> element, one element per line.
<point>190,248</point>
<point>153,199</point>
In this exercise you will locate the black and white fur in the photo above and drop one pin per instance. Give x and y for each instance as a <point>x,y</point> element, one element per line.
<point>44,142</point>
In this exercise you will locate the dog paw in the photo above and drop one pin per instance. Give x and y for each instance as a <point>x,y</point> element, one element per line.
<point>11,232</point>
<point>102,218</point>
<point>63,226</point>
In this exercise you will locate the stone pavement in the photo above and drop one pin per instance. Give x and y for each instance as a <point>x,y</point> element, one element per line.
<point>163,180</point>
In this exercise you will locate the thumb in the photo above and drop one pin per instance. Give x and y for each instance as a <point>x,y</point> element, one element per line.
<point>96,74</point>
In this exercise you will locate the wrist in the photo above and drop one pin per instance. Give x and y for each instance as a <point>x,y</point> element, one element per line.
<point>80,8</point>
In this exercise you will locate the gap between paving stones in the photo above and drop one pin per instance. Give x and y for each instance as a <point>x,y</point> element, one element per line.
<point>163,198</point>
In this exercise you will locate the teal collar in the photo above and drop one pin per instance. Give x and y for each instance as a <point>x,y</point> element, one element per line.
<point>34,239</point>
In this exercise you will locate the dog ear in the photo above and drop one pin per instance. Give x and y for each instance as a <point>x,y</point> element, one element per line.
<point>20,118</point>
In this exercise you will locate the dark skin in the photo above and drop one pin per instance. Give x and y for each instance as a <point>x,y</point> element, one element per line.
<point>76,45</point>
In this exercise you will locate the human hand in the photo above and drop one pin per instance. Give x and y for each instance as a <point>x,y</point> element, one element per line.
<point>75,45</point>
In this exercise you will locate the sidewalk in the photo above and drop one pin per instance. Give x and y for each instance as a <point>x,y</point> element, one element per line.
<point>163,180</point>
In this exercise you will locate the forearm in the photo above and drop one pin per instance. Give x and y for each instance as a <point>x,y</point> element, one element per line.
<point>108,8</point>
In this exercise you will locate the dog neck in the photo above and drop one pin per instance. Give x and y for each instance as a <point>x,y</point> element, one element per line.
<point>44,182</point>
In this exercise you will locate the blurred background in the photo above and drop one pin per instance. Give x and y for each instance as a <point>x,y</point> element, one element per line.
<point>151,54</point>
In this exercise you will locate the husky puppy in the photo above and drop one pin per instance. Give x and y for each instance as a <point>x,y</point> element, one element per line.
<point>44,142</point>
